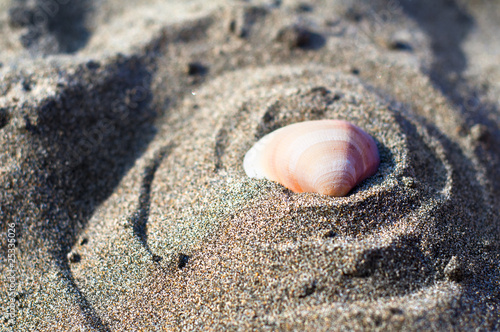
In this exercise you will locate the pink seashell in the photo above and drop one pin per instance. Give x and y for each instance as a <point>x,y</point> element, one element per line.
<point>329,157</point>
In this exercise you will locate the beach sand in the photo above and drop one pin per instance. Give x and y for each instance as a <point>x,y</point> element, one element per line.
<point>123,131</point>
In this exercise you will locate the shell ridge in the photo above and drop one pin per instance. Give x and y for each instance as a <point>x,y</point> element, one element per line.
<point>331,135</point>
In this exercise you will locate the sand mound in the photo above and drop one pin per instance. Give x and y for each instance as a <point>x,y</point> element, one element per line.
<point>123,174</point>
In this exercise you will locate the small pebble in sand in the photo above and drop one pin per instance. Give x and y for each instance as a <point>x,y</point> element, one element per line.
<point>480,133</point>
<point>454,270</point>
<point>74,257</point>
<point>329,157</point>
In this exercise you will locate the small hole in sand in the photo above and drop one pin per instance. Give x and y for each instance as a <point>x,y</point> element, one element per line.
<point>196,68</point>
<point>183,260</point>
<point>330,234</point>
<point>4,117</point>
<point>157,258</point>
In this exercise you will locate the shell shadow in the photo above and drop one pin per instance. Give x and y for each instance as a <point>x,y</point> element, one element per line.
<point>385,169</point>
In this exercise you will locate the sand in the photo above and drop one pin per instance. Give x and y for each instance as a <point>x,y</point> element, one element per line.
<point>123,131</point>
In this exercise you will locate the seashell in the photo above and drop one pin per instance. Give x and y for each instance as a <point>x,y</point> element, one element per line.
<point>329,157</point>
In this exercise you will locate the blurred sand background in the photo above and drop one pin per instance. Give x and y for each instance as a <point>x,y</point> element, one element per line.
<point>123,129</point>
